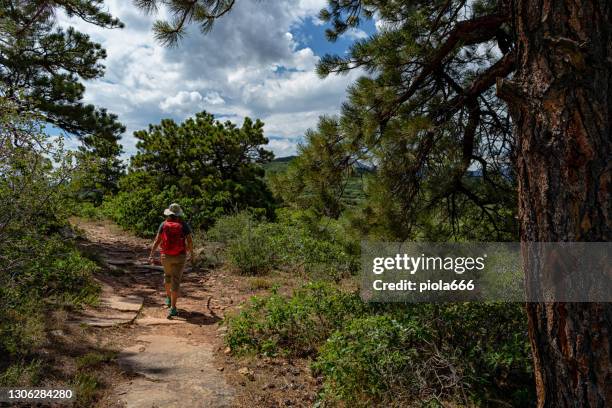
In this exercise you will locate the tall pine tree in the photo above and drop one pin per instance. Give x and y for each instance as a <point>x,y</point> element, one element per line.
<point>42,66</point>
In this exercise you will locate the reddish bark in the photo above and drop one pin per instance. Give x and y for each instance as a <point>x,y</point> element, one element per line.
<point>561,104</point>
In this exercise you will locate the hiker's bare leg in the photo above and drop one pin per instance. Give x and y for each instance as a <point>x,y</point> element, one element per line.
<point>173,297</point>
<point>168,286</point>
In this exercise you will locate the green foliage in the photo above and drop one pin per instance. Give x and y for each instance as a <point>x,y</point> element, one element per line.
<point>392,354</point>
<point>422,352</point>
<point>210,168</point>
<point>39,267</point>
<point>47,62</point>
<point>444,156</point>
<point>86,386</point>
<point>42,66</point>
<point>138,206</point>
<point>291,326</point>
<point>315,178</point>
<point>201,12</point>
<point>296,243</point>
<point>87,382</point>
<point>100,156</point>
<point>229,227</point>
<point>21,373</point>
<point>375,361</point>
<point>88,210</point>
<point>94,359</point>
<point>253,251</point>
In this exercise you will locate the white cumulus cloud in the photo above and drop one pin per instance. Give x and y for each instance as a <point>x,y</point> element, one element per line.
<point>248,65</point>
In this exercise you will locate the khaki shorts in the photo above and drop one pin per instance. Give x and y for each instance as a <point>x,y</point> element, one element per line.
<point>173,269</point>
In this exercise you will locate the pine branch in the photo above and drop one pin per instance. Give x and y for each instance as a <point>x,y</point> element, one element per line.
<point>467,32</point>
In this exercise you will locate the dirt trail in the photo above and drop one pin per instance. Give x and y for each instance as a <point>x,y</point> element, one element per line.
<point>165,363</point>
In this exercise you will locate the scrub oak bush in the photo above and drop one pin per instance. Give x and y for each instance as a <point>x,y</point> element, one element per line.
<point>409,354</point>
<point>255,246</point>
<point>292,326</point>
<point>379,361</point>
<point>393,354</point>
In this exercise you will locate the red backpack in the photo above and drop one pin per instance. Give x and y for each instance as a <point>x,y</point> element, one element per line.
<point>173,240</point>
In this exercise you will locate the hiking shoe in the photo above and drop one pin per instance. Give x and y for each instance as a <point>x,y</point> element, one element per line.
<point>167,301</point>
<point>173,312</point>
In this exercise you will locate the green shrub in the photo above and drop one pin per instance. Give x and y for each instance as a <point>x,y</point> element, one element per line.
<point>393,354</point>
<point>255,247</point>
<point>54,274</point>
<point>377,360</point>
<point>230,227</point>
<point>292,326</point>
<point>94,359</point>
<point>410,354</point>
<point>137,207</point>
<point>88,210</point>
<point>252,252</point>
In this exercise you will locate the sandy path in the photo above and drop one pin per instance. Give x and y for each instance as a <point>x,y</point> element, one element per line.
<point>168,363</point>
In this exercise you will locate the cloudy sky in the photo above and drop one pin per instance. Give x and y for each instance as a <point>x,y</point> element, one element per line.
<point>258,61</point>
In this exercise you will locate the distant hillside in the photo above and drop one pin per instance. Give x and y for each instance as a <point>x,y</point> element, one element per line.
<point>284,159</point>
<point>278,165</point>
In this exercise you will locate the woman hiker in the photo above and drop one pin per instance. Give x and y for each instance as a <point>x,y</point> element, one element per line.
<point>175,242</point>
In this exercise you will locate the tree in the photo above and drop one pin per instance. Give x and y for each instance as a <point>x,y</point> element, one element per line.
<point>40,269</point>
<point>562,125</point>
<point>34,173</point>
<point>102,158</point>
<point>429,93</point>
<point>561,106</point>
<point>317,177</point>
<point>42,67</point>
<point>211,168</point>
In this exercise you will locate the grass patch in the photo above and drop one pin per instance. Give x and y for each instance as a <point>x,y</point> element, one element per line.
<point>94,359</point>
<point>258,283</point>
<point>21,373</point>
<point>86,386</point>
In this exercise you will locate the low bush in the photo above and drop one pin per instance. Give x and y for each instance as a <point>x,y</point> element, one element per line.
<point>230,227</point>
<point>255,246</point>
<point>88,210</point>
<point>379,361</point>
<point>252,252</point>
<point>393,354</point>
<point>54,274</point>
<point>410,354</point>
<point>292,326</point>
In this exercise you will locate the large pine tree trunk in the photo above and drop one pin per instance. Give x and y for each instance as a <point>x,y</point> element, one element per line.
<point>561,103</point>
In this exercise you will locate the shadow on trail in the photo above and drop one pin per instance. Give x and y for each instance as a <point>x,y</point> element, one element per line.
<point>198,318</point>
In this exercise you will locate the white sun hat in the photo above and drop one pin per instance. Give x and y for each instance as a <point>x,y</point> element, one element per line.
<point>175,210</point>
